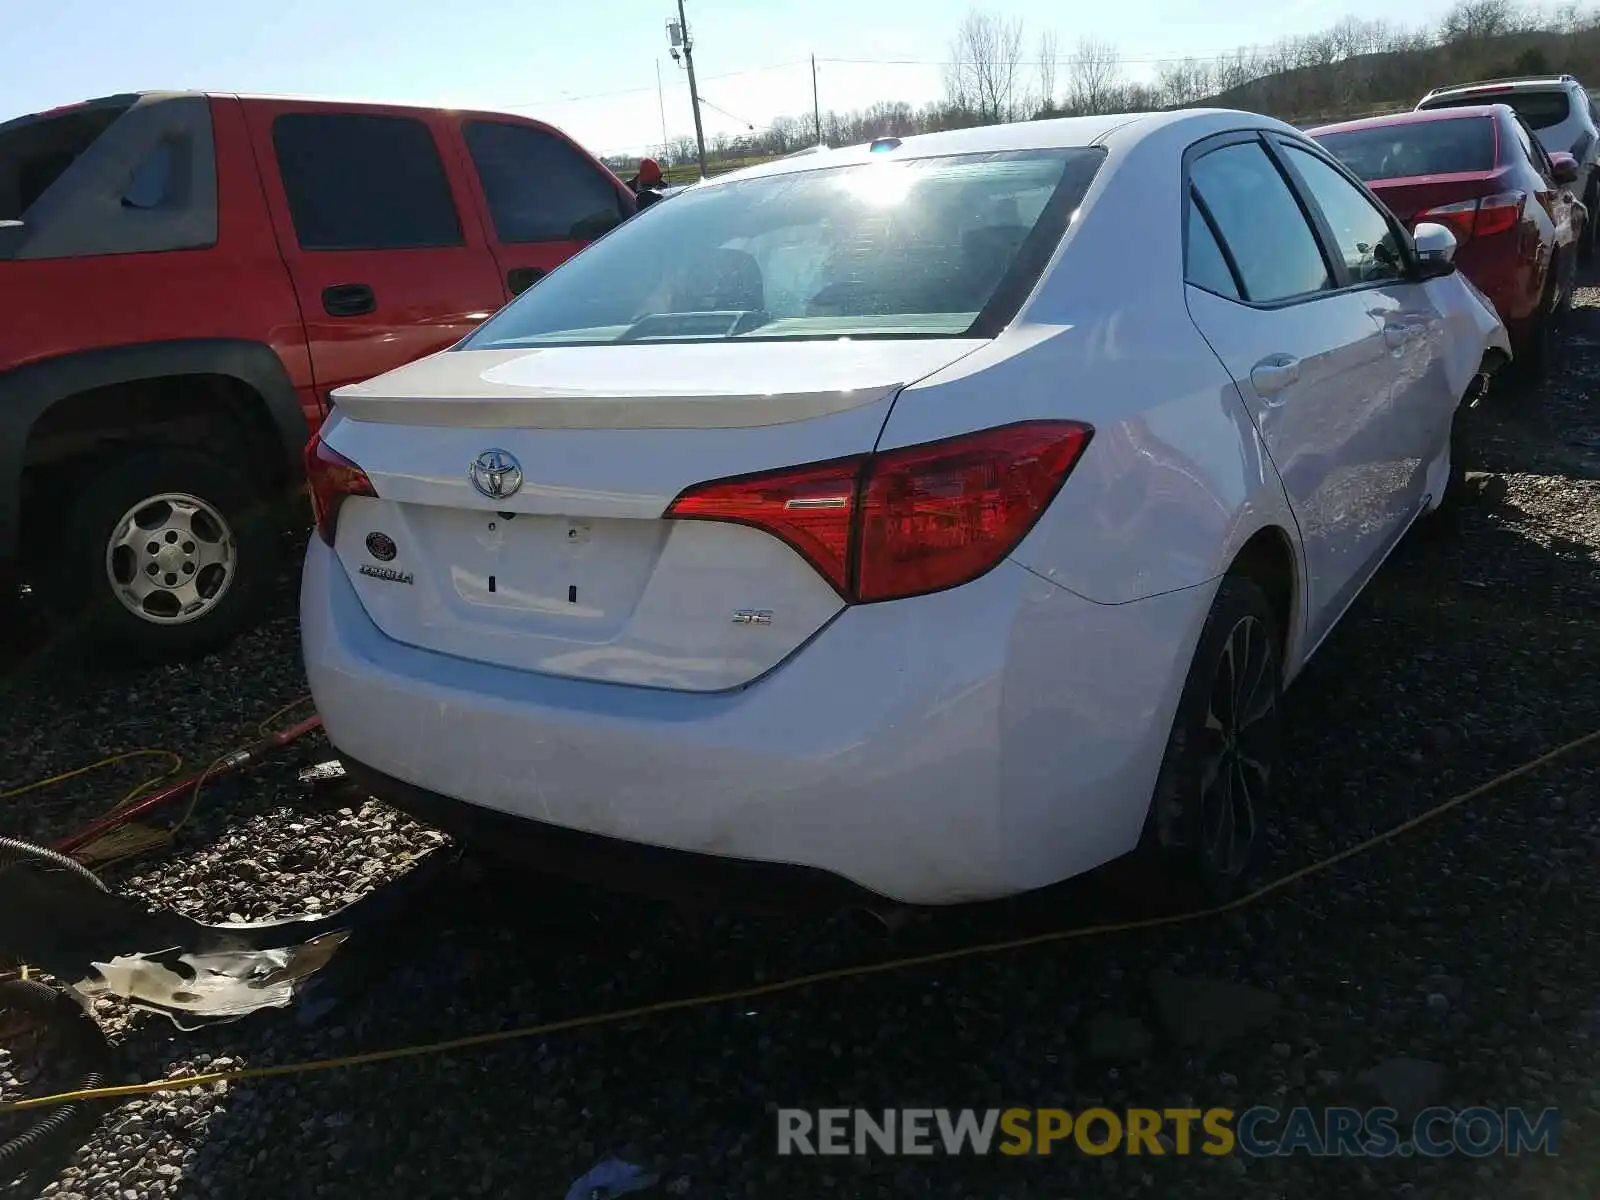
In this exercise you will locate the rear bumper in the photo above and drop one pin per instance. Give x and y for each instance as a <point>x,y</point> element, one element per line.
<point>1507,280</point>
<point>978,742</point>
<point>656,871</point>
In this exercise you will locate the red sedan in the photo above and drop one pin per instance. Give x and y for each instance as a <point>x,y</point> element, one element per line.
<point>1480,172</point>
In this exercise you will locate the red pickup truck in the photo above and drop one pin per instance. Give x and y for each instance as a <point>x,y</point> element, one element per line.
<point>185,277</point>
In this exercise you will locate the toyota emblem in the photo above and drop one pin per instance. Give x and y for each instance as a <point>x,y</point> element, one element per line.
<point>496,474</point>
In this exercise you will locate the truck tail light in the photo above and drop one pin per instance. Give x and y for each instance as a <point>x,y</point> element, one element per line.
<point>909,521</point>
<point>330,477</point>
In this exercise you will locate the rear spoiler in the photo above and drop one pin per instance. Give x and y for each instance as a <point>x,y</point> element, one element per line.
<point>1476,83</point>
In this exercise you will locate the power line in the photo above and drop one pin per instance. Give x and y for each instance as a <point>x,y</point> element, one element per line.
<point>636,90</point>
<point>1064,60</point>
<point>726,113</point>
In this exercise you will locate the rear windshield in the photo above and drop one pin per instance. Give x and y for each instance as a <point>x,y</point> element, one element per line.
<point>35,151</point>
<point>1541,110</point>
<point>887,248</point>
<point>1415,148</point>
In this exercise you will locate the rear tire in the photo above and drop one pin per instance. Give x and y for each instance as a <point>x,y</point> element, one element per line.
<point>1447,516</point>
<point>1541,345</point>
<point>1205,833</point>
<point>163,557</point>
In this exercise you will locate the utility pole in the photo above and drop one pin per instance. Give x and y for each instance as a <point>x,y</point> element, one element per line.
<point>682,34</point>
<point>816,105</point>
<point>661,99</point>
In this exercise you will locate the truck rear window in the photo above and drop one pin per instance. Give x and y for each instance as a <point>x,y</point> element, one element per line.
<point>1541,110</point>
<point>1410,148</point>
<point>35,151</point>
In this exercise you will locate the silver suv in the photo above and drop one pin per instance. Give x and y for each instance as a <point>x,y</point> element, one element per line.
<point>1561,114</point>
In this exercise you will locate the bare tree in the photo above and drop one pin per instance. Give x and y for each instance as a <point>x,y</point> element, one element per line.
<point>1479,20</point>
<point>1049,60</point>
<point>683,149</point>
<point>983,74</point>
<point>1093,74</point>
<point>1184,83</point>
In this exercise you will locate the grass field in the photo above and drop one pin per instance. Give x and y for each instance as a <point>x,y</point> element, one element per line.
<point>690,171</point>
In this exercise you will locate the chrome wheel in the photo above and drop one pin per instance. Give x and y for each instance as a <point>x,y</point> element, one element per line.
<point>171,558</point>
<point>1235,759</point>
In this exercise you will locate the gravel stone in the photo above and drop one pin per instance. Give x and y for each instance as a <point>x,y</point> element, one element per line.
<point>1115,1037</point>
<point>1209,1012</point>
<point>1407,1085</point>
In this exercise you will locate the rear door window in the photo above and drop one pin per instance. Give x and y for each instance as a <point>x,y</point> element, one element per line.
<point>1536,152</point>
<point>1523,139</point>
<point>1205,266</point>
<point>1265,229</point>
<point>539,188</point>
<point>358,181</point>
<point>1410,148</point>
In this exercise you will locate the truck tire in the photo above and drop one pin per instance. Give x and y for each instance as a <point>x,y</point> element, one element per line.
<point>164,556</point>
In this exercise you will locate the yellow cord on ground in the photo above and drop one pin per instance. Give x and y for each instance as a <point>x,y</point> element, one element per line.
<point>172,756</point>
<point>132,840</point>
<point>618,1016</point>
<point>263,729</point>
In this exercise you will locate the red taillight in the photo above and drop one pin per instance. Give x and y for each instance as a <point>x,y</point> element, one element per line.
<point>809,507</point>
<point>1478,218</point>
<point>1457,218</point>
<point>330,477</point>
<point>1496,214</point>
<point>905,522</point>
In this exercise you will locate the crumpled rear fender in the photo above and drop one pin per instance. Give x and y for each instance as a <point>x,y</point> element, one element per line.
<point>1472,328</point>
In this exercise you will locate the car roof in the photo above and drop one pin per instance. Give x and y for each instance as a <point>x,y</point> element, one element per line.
<point>282,98</point>
<point>1411,117</point>
<point>1116,130</point>
<point>1510,83</point>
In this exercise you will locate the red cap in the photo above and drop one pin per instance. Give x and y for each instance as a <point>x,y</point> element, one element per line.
<point>649,171</point>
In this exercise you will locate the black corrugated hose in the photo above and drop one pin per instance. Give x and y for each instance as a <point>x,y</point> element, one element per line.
<point>14,850</point>
<point>81,1037</point>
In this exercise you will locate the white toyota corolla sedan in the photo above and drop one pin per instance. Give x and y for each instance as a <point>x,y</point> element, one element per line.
<point>927,521</point>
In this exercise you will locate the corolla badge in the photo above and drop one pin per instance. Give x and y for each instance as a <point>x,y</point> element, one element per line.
<point>496,474</point>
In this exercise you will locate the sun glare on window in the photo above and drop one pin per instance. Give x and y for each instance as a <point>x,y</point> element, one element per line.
<point>881,185</point>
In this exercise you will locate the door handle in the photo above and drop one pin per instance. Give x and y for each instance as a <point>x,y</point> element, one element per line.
<point>349,300</point>
<point>1274,373</point>
<point>520,279</point>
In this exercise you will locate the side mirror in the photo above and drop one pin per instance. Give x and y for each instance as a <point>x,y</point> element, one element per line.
<point>1565,167</point>
<point>1436,250</point>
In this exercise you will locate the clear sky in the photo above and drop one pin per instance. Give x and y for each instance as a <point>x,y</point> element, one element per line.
<point>590,65</point>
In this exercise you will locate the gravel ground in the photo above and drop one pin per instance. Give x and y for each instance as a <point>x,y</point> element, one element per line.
<point>1464,945</point>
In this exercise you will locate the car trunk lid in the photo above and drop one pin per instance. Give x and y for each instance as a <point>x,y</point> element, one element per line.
<point>1410,197</point>
<point>572,569</point>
